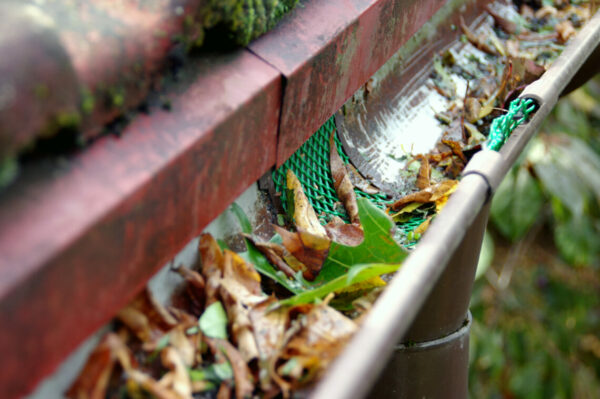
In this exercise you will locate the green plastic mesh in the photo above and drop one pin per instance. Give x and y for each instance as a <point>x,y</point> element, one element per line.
<point>310,163</point>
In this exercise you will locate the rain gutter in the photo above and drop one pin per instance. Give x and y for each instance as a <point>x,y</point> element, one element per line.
<point>355,371</point>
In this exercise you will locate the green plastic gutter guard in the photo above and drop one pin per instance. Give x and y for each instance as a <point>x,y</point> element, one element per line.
<point>310,163</point>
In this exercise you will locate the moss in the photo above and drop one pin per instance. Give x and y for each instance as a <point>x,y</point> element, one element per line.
<point>245,20</point>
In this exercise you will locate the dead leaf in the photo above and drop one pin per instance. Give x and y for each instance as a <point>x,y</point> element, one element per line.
<point>269,328</point>
<point>212,266</point>
<point>423,226</point>
<point>565,31</point>
<point>478,42</point>
<point>277,255</point>
<point>430,194</point>
<point>512,48</point>
<point>503,23</point>
<point>92,382</point>
<point>150,385</point>
<point>304,214</point>
<point>240,291</point>
<point>311,250</point>
<point>343,233</point>
<point>177,379</point>
<point>317,334</point>
<point>423,178</point>
<point>359,181</point>
<point>225,391</point>
<point>195,289</point>
<point>472,109</point>
<point>341,182</point>
<point>241,373</point>
<point>146,318</point>
<point>456,148</point>
<point>546,11</point>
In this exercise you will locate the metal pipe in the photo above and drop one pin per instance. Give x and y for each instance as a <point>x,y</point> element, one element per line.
<point>356,369</point>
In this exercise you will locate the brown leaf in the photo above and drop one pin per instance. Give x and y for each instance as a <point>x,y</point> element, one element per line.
<point>430,194</point>
<point>276,254</point>
<point>512,48</point>
<point>456,148</point>
<point>311,250</point>
<point>359,181</point>
<point>304,214</point>
<point>565,31</point>
<point>269,328</point>
<point>212,266</point>
<point>194,288</point>
<point>472,109</point>
<point>92,382</point>
<point>315,341</point>
<point>476,41</point>
<point>225,391</point>
<point>423,179</point>
<point>240,290</point>
<point>150,385</point>
<point>177,379</point>
<point>437,158</point>
<point>341,181</point>
<point>241,373</point>
<point>146,318</point>
<point>347,234</point>
<point>503,23</point>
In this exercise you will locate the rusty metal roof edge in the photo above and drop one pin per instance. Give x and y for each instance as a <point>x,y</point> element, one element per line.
<point>90,235</point>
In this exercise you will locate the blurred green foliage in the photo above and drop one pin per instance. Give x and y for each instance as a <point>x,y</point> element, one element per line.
<point>560,168</point>
<point>536,329</point>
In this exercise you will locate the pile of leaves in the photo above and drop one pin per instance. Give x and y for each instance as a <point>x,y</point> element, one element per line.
<point>229,338</point>
<point>232,334</point>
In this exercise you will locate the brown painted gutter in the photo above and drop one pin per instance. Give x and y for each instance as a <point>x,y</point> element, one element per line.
<point>399,306</point>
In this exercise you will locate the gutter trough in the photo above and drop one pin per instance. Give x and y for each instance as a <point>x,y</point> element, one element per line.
<point>91,235</point>
<point>433,277</point>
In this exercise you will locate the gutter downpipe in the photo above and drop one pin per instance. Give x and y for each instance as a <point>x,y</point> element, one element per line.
<point>429,294</point>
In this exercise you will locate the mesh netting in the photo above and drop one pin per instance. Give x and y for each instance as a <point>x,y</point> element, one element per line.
<point>310,163</point>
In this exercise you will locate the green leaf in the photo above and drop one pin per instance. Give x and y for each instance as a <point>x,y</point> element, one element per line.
<point>356,274</point>
<point>584,161</point>
<point>213,321</point>
<point>378,245</point>
<point>577,239</point>
<point>517,204</point>
<point>486,256</point>
<point>560,180</point>
<point>260,262</point>
<point>245,224</point>
<point>215,372</point>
